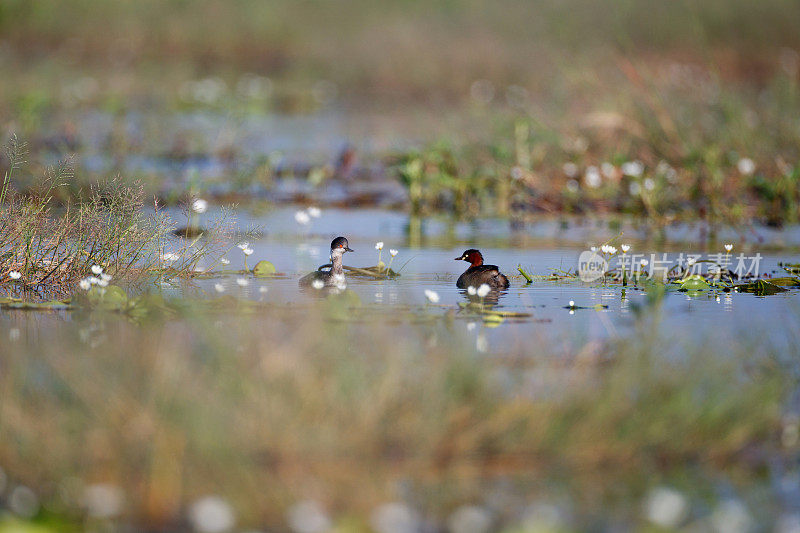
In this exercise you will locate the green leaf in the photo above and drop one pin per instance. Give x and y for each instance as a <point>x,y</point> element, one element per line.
<point>695,283</point>
<point>263,268</point>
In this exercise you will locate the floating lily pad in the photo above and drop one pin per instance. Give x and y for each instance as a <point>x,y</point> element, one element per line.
<point>263,268</point>
<point>694,283</point>
<point>760,288</point>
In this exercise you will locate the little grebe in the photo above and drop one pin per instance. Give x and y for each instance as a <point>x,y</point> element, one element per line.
<point>478,273</point>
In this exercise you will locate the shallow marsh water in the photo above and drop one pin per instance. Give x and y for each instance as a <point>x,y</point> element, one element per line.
<point>427,262</point>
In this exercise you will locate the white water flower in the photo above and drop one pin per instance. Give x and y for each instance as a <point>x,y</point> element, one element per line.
<point>13,274</point>
<point>105,277</point>
<point>315,212</point>
<point>379,245</point>
<point>302,218</point>
<point>608,170</point>
<point>211,514</point>
<point>608,249</point>
<point>625,247</point>
<point>471,326</point>
<point>102,283</point>
<point>644,262</point>
<point>483,290</point>
<point>592,177</point>
<point>472,291</point>
<point>634,188</point>
<point>746,166</point>
<point>649,184</point>
<point>572,303</point>
<point>728,247</point>
<point>593,248</point>
<point>242,282</point>
<point>170,256</point>
<point>199,205</point>
<point>432,296</point>
<point>85,284</point>
<point>393,252</point>
<point>242,245</point>
<point>666,507</point>
<point>691,261</point>
<point>103,500</point>
<point>248,251</point>
<point>219,287</point>
<point>318,284</point>
<point>263,290</point>
<point>224,261</point>
<point>97,270</point>
<point>93,280</point>
<point>633,168</point>
<point>570,169</point>
<point>308,517</point>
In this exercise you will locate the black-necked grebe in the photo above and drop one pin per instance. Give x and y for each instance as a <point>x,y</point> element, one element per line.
<point>478,273</point>
<point>333,277</point>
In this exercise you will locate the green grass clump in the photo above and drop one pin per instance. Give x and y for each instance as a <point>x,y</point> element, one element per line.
<point>46,247</point>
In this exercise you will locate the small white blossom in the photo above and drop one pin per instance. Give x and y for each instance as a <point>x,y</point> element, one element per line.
<point>644,262</point>
<point>244,244</point>
<point>472,291</point>
<point>691,261</point>
<point>315,212</point>
<point>592,177</point>
<point>170,256</point>
<point>608,170</point>
<point>302,218</point>
<point>97,270</point>
<point>572,303</point>
<point>219,287</point>
<point>242,282</point>
<point>318,284</point>
<point>105,277</point>
<point>625,247</point>
<point>570,169</point>
<point>263,290</point>
<point>632,168</point>
<point>666,507</point>
<point>102,283</point>
<point>432,296</point>
<point>471,326</point>
<point>14,274</point>
<point>199,205</point>
<point>746,166</point>
<point>379,245</point>
<point>225,261</point>
<point>393,252</point>
<point>728,247</point>
<point>593,248</point>
<point>211,514</point>
<point>93,280</point>
<point>483,290</point>
<point>85,284</point>
<point>248,251</point>
<point>649,184</point>
<point>634,188</point>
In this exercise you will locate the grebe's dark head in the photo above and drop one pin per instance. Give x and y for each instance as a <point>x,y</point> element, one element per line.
<point>340,245</point>
<point>472,256</point>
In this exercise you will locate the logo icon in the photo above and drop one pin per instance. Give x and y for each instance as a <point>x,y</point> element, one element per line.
<point>591,266</point>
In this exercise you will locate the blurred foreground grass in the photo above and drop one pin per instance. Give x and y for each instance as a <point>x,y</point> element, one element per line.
<point>276,423</point>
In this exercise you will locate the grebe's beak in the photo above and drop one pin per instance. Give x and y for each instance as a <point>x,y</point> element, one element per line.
<point>460,258</point>
<point>348,249</point>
